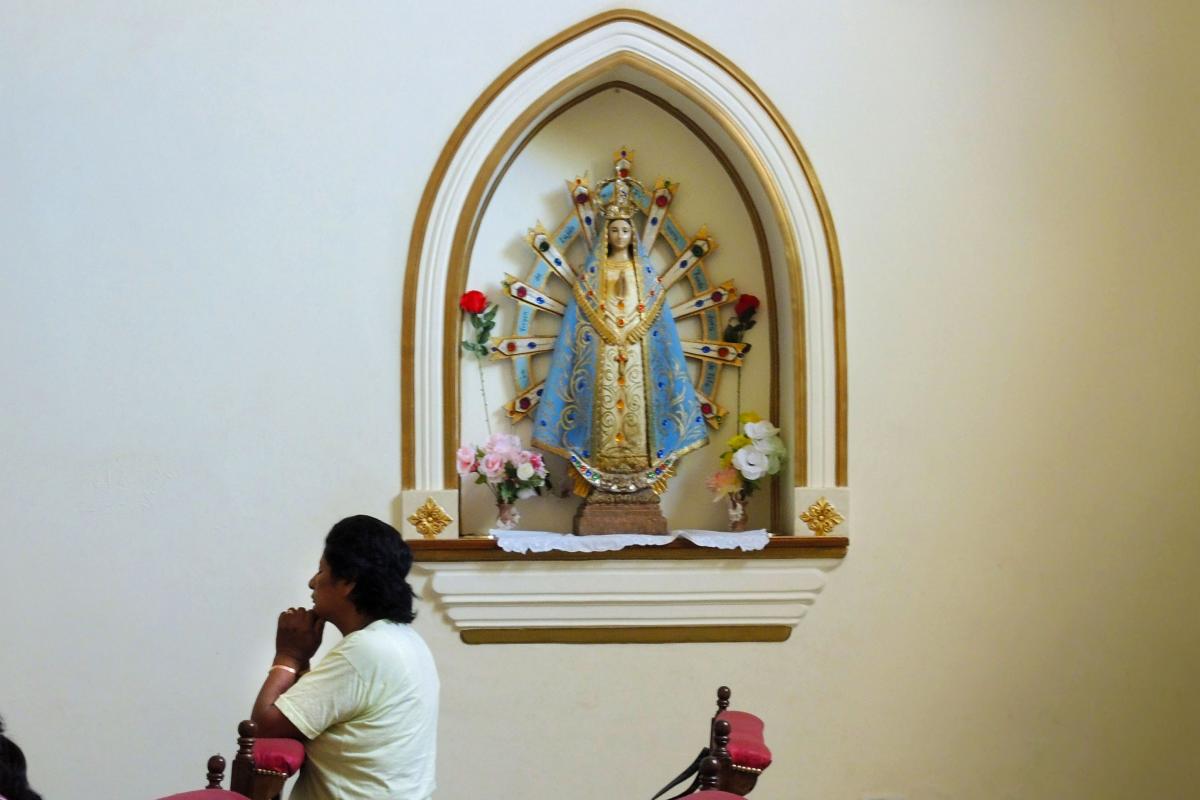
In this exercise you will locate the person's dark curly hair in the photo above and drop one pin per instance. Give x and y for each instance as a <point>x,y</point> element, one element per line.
<point>372,554</point>
<point>14,785</point>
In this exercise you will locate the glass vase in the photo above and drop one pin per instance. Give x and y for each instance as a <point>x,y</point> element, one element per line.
<point>739,512</point>
<point>507,516</point>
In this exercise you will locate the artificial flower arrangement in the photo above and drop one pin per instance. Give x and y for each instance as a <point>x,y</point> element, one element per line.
<point>750,456</point>
<point>511,472</point>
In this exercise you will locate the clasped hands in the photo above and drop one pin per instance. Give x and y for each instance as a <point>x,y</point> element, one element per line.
<point>297,637</point>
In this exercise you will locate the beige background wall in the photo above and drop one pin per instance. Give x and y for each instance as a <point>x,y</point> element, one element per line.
<point>204,218</point>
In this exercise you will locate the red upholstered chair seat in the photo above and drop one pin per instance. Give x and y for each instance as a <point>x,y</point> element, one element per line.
<point>278,755</point>
<point>206,794</point>
<point>747,750</point>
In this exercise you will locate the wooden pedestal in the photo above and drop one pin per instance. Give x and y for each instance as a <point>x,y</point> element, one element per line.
<point>609,512</point>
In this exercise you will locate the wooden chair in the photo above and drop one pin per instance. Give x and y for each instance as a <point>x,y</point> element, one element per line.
<point>731,763</point>
<point>736,741</point>
<point>260,769</point>
<point>262,766</point>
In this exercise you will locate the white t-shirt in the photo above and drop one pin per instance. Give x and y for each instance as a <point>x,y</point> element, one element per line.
<point>369,710</point>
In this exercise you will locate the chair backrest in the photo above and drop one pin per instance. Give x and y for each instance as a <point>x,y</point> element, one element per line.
<point>736,741</point>
<point>731,763</point>
<point>260,769</point>
<point>262,766</point>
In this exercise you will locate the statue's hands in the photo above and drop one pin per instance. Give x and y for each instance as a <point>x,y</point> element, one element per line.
<point>297,637</point>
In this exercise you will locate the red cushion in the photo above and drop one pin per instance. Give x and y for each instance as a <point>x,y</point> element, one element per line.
<point>714,794</point>
<point>746,745</point>
<point>278,755</point>
<point>206,794</point>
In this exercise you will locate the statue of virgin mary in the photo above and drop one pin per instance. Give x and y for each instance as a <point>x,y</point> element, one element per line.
<point>618,401</point>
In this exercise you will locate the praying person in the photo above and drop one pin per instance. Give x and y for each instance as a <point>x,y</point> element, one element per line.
<point>367,713</point>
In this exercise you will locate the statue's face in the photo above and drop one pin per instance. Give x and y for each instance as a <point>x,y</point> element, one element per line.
<point>620,233</point>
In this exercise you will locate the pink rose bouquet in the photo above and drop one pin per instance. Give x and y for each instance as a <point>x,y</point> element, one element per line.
<point>504,466</point>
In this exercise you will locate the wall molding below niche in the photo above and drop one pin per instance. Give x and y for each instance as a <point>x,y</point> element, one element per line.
<point>716,596</point>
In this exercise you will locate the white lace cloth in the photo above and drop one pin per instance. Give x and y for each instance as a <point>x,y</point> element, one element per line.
<point>544,541</point>
<point>724,540</point>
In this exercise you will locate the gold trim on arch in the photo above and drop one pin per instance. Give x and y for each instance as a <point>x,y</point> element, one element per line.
<point>437,176</point>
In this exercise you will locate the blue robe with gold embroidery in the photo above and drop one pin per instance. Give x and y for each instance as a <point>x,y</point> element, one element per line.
<point>618,402</point>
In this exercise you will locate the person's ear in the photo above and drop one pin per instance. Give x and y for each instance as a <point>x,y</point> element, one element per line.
<point>345,588</point>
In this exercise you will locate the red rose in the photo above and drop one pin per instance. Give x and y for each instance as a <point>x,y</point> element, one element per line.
<point>473,302</point>
<point>746,302</point>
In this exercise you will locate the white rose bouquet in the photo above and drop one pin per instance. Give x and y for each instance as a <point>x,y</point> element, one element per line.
<point>752,455</point>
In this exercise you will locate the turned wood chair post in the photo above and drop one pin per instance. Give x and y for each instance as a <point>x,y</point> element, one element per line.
<point>216,772</point>
<point>723,699</point>
<point>720,751</point>
<point>720,740</point>
<point>710,773</point>
<point>241,776</point>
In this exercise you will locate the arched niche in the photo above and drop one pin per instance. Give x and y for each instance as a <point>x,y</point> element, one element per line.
<point>581,136</point>
<point>720,107</point>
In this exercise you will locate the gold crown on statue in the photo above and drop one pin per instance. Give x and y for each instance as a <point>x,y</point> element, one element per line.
<point>621,205</point>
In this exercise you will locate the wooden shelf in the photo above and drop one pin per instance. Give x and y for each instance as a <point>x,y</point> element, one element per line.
<point>486,549</point>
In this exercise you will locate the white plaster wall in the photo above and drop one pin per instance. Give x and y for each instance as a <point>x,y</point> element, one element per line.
<point>205,213</point>
<point>534,189</point>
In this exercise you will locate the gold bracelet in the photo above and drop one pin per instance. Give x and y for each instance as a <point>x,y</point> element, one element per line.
<point>284,667</point>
